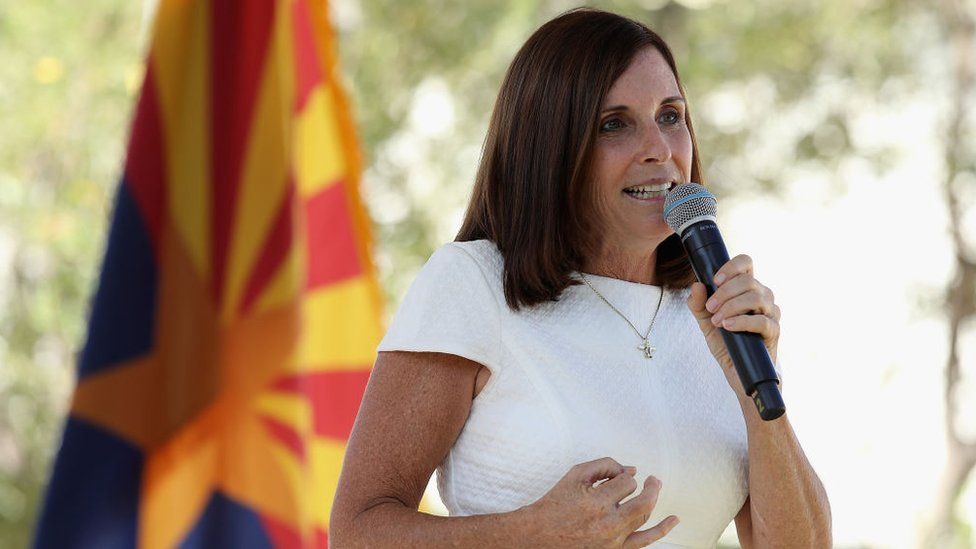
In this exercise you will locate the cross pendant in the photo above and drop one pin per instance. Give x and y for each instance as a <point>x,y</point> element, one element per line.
<point>647,349</point>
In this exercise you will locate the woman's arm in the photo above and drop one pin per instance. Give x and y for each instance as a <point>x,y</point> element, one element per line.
<point>787,504</point>
<point>414,407</point>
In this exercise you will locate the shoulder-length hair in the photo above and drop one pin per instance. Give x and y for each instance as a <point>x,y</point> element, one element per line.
<point>532,195</point>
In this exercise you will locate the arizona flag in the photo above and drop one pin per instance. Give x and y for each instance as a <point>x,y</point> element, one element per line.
<point>237,315</point>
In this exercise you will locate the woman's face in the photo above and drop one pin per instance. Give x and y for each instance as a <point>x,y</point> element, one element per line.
<point>642,144</point>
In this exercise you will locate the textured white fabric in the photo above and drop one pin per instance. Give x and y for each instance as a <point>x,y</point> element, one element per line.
<point>569,385</point>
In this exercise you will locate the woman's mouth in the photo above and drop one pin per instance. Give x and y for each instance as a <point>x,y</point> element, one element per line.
<point>649,192</point>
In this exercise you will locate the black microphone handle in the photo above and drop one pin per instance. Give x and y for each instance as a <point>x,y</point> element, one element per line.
<point>706,250</point>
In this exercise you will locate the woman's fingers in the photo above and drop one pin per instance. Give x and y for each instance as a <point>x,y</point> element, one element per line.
<point>739,304</point>
<point>746,303</point>
<point>740,264</point>
<point>596,470</point>
<point>619,486</point>
<point>742,295</point>
<point>757,324</point>
<point>643,538</point>
<point>738,285</point>
<point>588,515</point>
<point>696,304</point>
<point>637,510</point>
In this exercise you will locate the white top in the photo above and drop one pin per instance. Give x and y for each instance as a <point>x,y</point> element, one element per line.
<point>568,384</point>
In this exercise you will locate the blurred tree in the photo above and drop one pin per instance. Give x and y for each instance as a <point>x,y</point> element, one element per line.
<point>958,23</point>
<point>425,76</point>
<point>777,90</point>
<point>66,85</point>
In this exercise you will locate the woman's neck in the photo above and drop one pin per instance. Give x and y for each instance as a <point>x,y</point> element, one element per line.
<point>617,262</point>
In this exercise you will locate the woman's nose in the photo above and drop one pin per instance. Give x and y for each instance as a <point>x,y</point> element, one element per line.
<point>654,147</point>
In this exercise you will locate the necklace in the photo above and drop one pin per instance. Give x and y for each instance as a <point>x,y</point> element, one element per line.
<point>645,345</point>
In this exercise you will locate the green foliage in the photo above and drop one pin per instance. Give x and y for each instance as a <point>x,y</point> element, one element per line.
<point>64,103</point>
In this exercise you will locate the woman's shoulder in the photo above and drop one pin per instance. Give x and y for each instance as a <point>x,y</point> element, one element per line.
<point>462,271</point>
<point>482,253</point>
<point>452,306</point>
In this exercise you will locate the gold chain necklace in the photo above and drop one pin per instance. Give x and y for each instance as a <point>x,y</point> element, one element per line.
<point>645,346</point>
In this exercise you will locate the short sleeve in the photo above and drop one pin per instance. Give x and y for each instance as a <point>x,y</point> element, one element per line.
<point>450,308</point>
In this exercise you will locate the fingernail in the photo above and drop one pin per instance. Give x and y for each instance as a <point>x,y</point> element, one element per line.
<point>710,305</point>
<point>728,322</point>
<point>719,278</point>
<point>674,520</point>
<point>631,469</point>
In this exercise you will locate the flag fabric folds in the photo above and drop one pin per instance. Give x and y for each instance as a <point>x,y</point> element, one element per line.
<point>237,315</point>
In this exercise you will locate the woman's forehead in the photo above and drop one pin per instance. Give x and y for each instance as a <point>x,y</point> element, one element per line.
<point>648,78</point>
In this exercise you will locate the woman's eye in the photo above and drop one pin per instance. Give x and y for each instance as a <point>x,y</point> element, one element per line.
<point>612,124</point>
<point>670,117</point>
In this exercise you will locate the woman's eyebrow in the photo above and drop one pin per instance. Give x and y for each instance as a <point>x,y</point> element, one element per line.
<point>665,101</point>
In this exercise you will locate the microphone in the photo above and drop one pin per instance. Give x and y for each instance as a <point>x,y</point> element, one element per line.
<point>689,209</point>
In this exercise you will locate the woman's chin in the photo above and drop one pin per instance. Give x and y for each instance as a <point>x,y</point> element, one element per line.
<point>650,237</point>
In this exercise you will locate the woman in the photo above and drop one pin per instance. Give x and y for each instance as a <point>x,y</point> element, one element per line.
<point>554,353</point>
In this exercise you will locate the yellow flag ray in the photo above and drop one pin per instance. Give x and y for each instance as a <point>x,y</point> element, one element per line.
<point>180,58</point>
<point>266,162</point>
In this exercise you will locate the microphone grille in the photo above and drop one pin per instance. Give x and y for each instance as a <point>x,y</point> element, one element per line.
<point>688,202</point>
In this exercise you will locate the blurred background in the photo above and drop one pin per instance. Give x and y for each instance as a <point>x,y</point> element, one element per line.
<point>837,134</point>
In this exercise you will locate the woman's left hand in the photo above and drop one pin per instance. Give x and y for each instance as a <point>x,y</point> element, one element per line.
<point>740,304</point>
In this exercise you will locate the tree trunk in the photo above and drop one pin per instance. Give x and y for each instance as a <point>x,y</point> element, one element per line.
<point>943,528</point>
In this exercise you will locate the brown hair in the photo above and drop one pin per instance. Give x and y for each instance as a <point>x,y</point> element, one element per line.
<point>531,195</point>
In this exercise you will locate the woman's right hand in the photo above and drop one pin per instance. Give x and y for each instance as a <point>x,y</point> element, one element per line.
<point>574,513</point>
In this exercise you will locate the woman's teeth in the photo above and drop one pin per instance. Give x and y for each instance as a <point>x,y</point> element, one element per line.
<point>647,191</point>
